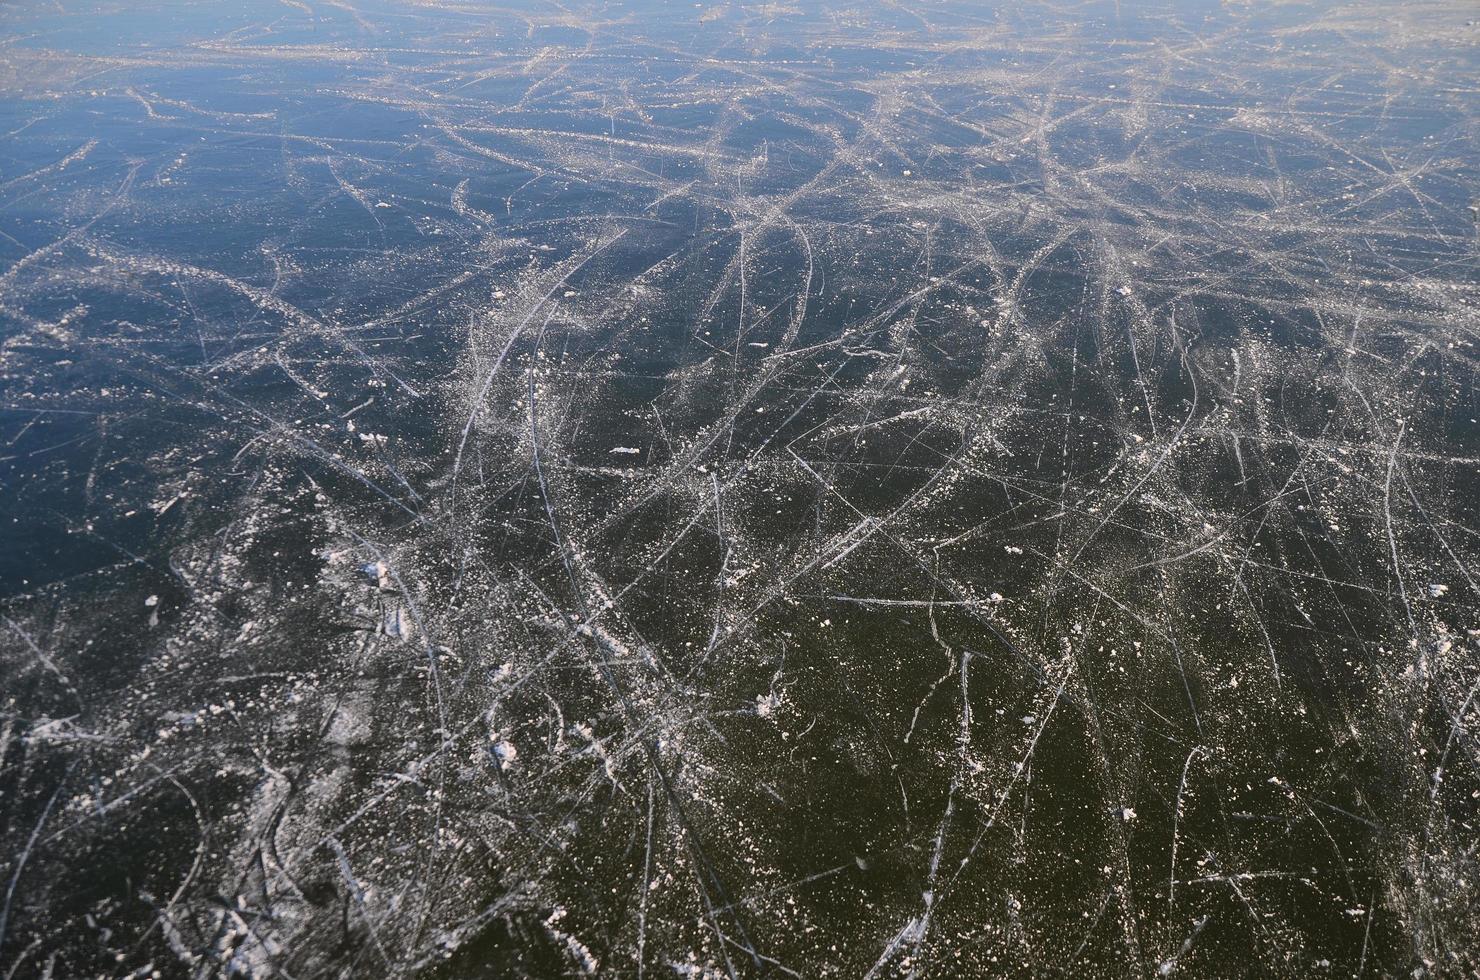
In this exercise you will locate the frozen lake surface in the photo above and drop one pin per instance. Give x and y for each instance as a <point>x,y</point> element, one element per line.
<point>863,490</point>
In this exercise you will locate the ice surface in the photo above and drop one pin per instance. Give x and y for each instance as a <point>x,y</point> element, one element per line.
<point>859,490</point>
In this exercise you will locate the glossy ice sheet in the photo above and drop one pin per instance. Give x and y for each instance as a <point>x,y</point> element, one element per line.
<point>884,490</point>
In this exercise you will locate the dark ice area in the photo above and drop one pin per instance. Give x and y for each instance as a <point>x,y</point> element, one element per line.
<point>860,490</point>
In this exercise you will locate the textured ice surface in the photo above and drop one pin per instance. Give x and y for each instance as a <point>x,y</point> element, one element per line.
<point>859,490</point>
